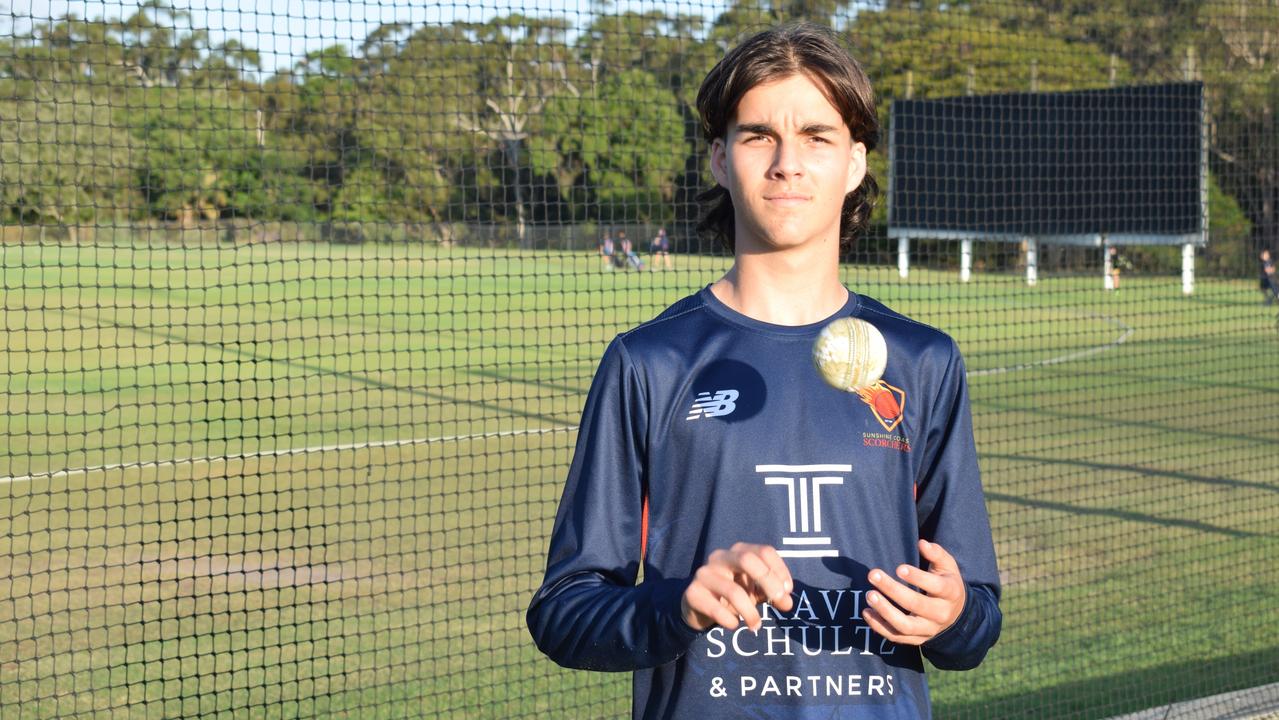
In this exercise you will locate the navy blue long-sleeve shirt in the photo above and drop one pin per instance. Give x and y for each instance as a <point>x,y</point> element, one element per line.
<point>720,425</point>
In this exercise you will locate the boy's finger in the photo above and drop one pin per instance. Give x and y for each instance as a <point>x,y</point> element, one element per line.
<point>778,566</point>
<point>739,602</point>
<point>930,583</point>
<point>770,584</point>
<point>939,559</point>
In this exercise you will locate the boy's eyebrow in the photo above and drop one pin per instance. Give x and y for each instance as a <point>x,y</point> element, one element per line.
<point>755,129</point>
<point>766,129</point>
<point>818,129</point>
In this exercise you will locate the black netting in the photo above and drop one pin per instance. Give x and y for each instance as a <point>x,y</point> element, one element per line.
<point>299,303</point>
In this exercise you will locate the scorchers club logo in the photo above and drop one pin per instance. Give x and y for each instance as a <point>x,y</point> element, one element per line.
<point>886,402</point>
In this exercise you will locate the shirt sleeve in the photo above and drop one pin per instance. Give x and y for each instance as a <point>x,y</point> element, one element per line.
<point>589,613</point>
<point>952,513</point>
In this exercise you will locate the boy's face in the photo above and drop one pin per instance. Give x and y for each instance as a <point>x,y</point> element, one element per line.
<point>787,160</point>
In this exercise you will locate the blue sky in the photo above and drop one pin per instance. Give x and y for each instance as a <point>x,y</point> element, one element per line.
<point>285,30</point>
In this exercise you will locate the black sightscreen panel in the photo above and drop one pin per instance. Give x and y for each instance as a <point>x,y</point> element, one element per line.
<point>1116,161</point>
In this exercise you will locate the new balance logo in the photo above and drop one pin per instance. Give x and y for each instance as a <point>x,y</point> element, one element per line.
<point>721,403</point>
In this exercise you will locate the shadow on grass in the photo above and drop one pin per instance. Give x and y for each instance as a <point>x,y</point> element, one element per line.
<point>1248,387</point>
<point>1242,300</point>
<point>1101,420</point>
<point>1139,470</point>
<point>1126,692</point>
<point>1121,515</point>
<point>536,381</point>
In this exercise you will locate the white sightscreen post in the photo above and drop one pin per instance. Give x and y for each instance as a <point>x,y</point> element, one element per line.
<point>1188,269</point>
<point>903,257</point>
<point>1032,261</point>
<point>965,260</point>
<point>1107,267</point>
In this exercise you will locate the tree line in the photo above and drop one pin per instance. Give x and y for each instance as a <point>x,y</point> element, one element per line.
<point>524,120</point>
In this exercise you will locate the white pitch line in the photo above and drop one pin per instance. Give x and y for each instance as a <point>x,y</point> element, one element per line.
<point>1086,352</point>
<point>277,453</point>
<point>1078,354</point>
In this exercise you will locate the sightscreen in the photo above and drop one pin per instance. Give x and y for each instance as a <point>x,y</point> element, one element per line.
<point>1125,163</point>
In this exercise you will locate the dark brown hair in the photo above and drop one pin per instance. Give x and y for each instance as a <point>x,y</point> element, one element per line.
<point>803,48</point>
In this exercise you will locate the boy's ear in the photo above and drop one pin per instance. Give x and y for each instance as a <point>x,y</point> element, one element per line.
<point>719,162</point>
<point>856,168</point>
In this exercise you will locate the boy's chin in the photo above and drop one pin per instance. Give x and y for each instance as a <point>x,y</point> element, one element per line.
<point>788,240</point>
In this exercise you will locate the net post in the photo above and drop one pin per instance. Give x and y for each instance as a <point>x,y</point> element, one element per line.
<point>1107,265</point>
<point>1188,269</point>
<point>965,260</point>
<point>903,257</point>
<point>1188,250</point>
<point>1032,261</point>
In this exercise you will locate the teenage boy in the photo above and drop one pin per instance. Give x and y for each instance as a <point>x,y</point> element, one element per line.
<point>802,548</point>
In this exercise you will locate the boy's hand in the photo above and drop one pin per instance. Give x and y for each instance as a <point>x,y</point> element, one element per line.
<point>727,588</point>
<point>913,617</point>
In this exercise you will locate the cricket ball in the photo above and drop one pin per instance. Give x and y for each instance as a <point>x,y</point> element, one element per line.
<point>850,353</point>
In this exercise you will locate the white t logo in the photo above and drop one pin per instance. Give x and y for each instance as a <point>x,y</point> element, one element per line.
<point>804,498</point>
<point>706,405</point>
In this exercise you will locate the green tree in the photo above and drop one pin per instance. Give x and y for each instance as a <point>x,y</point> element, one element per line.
<point>748,16</point>
<point>1229,250</point>
<point>157,51</point>
<point>198,152</point>
<point>311,115</point>
<point>62,159</point>
<point>628,141</point>
<point>957,50</point>
<point>663,45</point>
<point>672,48</point>
<point>64,51</point>
<point>1146,35</point>
<point>224,66</point>
<point>518,64</point>
<point>1237,55</point>
<point>411,125</point>
<point>111,111</point>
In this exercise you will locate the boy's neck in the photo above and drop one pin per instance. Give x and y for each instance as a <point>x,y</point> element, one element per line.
<point>793,287</point>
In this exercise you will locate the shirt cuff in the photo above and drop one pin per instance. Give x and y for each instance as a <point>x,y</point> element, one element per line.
<point>954,639</point>
<point>668,601</point>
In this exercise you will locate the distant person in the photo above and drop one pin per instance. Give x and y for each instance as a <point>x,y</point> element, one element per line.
<point>607,250</point>
<point>628,254</point>
<point>1116,262</point>
<point>661,249</point>
<point>1269,284</point>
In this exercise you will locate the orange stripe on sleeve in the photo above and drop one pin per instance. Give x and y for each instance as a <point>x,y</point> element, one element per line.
<point>643,528</point>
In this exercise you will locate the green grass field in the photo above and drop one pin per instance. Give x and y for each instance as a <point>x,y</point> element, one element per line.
<point>307,480</point>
